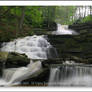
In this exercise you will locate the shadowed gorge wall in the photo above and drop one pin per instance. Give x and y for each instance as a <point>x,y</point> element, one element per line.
<point>69,45</point>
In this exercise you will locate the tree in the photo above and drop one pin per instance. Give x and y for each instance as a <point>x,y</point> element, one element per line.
<point>90,10</point>
<point>21,19</point>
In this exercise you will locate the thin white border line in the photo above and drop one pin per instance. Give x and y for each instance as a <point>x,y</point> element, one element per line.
<point>44,3</point>
<point>46,0</point>
<point>43,89</point>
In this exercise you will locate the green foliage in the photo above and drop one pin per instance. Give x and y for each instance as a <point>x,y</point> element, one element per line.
<point>63,14</point>
<point>34,16</point>
<point>86,19</point>
<point>16,11</point>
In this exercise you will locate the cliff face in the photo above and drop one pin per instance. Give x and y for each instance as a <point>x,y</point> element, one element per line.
<point>68,46</point>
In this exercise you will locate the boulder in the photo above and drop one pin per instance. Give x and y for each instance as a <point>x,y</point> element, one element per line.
<point>39,78</point>
<point>12,60</point>
<point>3,58</point>
<point>15,60</point>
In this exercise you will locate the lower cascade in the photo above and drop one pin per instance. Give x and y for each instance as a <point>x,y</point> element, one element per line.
<point>70,75</point>
<point>18,74</point>
<point>35,47</point>
<point>63,30</point>
<point>14,76</point>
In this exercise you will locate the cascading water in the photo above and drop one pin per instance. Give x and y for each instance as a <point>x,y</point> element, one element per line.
<point>35,47</point>
<point>13,76</point>
<point>22,73</point>
<point>71,75</point>
<point>63,30</point>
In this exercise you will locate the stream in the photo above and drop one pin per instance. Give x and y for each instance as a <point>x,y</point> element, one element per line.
<point>38,47</point>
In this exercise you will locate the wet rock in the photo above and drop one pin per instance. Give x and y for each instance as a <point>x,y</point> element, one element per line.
<point>60,61</point>
<point>0,44</point>
<point>15,60</point>
<point>40,78</point>
<point>3,58</point>
<point>1,68</point>
<point>47,63</point>
<point>82,27</point>
<point>70,45</point>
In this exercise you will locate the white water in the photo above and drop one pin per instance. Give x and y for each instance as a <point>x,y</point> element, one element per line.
<point>21,73</point>
<point>63,30</point>
<point>35,47</point>
<point>69,62</point>
<point>70,76</point>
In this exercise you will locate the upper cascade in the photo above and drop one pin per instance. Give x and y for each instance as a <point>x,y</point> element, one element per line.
<point>63,30</point>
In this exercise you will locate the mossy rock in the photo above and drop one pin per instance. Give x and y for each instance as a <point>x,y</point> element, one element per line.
<point>48,62</point>
<point>12,60</point>
<point>79,45</point>
<point>82,28</point>
<point>15,60</point>
<point>3,58</point>
<point>3,55</point>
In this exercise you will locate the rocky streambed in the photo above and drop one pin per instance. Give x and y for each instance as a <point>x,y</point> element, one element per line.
<point>74,49</point>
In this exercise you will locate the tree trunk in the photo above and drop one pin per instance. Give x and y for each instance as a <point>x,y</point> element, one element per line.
<point>79,13</point>
<point>85,12</point>
<point>22,19</point>
<point>90,9</point>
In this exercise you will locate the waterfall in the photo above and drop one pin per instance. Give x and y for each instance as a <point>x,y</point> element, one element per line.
<point>22,73</point>
<point>63,30</point>
<point>35,47</point>
<point>70,75</point>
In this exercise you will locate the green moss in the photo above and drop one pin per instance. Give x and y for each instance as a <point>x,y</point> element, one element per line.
<point>3,55</point>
